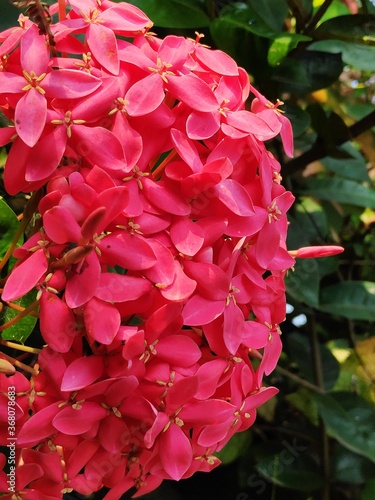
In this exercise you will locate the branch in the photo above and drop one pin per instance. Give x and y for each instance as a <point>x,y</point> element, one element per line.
<point>317,17</point>
<point>319,149</point>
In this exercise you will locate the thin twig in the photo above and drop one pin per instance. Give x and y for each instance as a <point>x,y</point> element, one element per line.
<point>317,17</point>
<point>299,380</point>
<point>318,373</point>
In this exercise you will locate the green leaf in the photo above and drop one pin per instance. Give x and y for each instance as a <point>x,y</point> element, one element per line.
<point>369,490</point>
<point>237,445</point>
<point>342,191</point>
<point>349,467</point>
<point>337,8</point>
<point>175,13</point>
<point>331,128</point>
<point>283,44</point>
<point>351,168</point>
<point>351,299</point>
<point>273,12</point>
<point>8,227</point>
<point>302,284</point>
<point>355,429</point>
<point>298,117</point>
<point>308,71</point>
<point>359,56</point>
<point>300,353</point>
<point>241,16</point>
<point>359,28</point>
<point>291,469</point>
<point>20,331</point>
<point>231,33</point>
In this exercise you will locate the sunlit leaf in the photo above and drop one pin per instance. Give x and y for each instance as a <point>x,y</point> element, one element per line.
<point>283,44</point>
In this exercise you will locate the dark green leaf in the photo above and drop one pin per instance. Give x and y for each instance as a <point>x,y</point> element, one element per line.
<point>331,128</point>
<point>359,28</point>
<point>351,299</point>
<point>241,16</point>
<point>303,283</point>
<point>369,490</point>
<point>236,446</point>
<point>348,428</point>
<point>231,34</point>
<point>175,13</point>
<point>291,469</point>
<point>351,168</point>
<point>8,226</point>
<point>300,353</point>
<point>308,71</point>
<point>342,191</point>
<point>300,120</point>
<point>350,467</point>
<point>359,56</point>
<point>21,330</point>
<point>273,12</point>
<point>283,44</point>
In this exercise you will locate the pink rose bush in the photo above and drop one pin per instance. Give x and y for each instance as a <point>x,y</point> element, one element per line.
<point>158,252</point>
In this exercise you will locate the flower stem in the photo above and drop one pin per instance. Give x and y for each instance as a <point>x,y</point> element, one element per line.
<point>318,372</point>
<point>62,10</point>
<point>19,316</point>
<point>19,308</point>
<point>159,170</point>
<point>317,17</point>
<point>20,347</point>
<point>20,365</point>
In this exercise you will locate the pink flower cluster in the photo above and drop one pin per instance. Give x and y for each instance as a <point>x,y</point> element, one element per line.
<point>158,254</point>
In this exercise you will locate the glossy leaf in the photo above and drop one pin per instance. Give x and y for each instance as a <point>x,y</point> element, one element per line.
<point>352,168</point>
<point>175,13</point>
<point>354,429</point>
<point>283,44</point>
<point>308,71</point>
<point>235,448</point>
<point>351,299</point>
<point>356,29</point>
<point>21,330</point>
<point>8,226</point>
<point>342,191</point>
<point>299,118</point>
<point>357,55</point>
<point>350,467</point>
<point>241,16</point>
<point>303,283</point>
<point>298,472</point>
<point>273,12</point>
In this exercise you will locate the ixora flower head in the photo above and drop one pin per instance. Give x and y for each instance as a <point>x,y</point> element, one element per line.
<point>159,253</point>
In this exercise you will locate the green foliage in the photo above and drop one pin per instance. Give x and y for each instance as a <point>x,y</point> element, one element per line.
<point>175,13</point>
<point>8,226</point>
<point>22,329</point>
